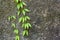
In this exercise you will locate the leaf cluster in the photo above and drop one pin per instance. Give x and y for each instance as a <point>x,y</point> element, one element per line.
<point>23,19</point>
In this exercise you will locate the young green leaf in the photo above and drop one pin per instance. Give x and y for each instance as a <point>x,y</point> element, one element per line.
<point>29,25</point>
<point>25,32</point>
<point>23,11</point>
<point>27,17</point>
<point>13,25</point>
<point>24,3</point>
<point>26,25</point>
<point>17,37</point>
<point>18,6</point>
<point>16,31</point>
<point>27,10</point>
<point>23,20</point>
<point>18,12</point>
<point>13,17</point>
<point>20,19</point>
<point>21,5</point>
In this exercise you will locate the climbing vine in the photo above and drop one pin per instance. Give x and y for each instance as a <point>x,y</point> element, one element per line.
<point>13,24</point>
<point>23,19</point>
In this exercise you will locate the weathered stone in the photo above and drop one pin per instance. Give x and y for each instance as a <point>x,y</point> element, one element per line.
<point>45,20</point>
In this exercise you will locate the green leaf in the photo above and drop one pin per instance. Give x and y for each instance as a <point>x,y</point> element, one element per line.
<point>13,17</point>
<point>20,19</point>
<point>16,1</point>
<point>27,10</point>
<point>13,25</point>
<point>17,37</point>
<point>24,3</point>
<point>16,31</point>
<point>21,5</point>
<point>23,20</point>
<point>18,6</point>
<point>23,11</point>
<point>27,17</point>
<point>18,12</point>
<point>25,32</point>
<point>29,24</point>
<point>26,25</point>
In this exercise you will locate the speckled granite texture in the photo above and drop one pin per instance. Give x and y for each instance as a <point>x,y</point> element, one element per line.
<point>45,20</point>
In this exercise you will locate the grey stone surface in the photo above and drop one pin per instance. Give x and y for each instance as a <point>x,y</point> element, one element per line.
<point>45,20</point>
